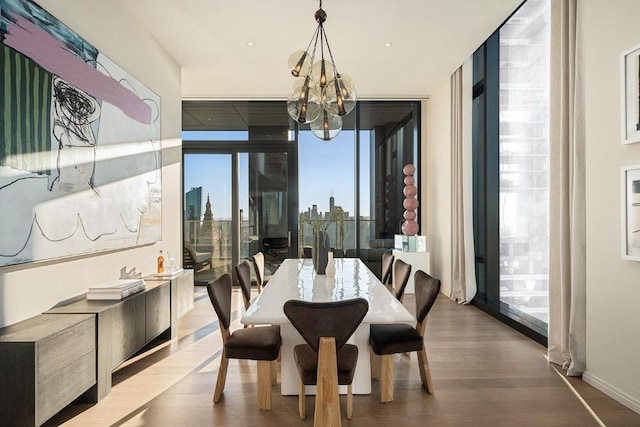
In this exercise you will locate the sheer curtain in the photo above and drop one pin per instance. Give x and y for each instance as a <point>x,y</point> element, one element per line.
<point>463,286</point>
<point>567,250</point>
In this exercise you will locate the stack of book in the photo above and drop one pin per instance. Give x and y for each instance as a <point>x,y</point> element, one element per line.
<point>115,289</point>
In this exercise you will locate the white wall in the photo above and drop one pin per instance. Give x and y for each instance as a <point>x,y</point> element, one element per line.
<point>29,289</point>
<point>613,285</point>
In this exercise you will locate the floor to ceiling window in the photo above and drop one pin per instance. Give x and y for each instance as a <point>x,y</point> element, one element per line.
<point>286,179</point>
<point>511,168</point>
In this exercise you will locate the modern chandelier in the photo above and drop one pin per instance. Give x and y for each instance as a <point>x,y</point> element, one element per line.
<point>321,95</point>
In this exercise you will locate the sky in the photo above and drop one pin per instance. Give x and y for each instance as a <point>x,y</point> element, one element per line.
<point>326,168</point>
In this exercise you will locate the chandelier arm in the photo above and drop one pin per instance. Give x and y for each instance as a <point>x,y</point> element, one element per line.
<point>333,62</point>
<point>323,36</point>
<point>314,37</point>
<point>315,46</point>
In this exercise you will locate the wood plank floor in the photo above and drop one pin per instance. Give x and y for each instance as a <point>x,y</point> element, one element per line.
<point>485,374</point>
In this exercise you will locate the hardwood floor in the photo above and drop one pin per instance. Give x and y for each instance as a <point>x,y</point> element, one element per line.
<point>485,374</point>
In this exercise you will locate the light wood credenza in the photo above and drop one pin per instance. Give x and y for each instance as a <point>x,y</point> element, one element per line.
<point>46,362</point>
<point>71,350</point>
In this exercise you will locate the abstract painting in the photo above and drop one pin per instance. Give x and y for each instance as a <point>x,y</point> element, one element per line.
<point>630,87</point>
<point>631,212</point>
<point>80,153</point>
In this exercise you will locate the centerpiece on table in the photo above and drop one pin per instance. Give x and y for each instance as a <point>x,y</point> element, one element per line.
<point>321,242</point>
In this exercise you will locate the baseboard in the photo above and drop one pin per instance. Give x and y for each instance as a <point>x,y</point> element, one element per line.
<point>612,392</point>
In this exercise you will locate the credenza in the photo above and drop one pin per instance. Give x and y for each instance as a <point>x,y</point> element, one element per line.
<point>46,362</point>
<point>49,360</point>
<point>123,327</point>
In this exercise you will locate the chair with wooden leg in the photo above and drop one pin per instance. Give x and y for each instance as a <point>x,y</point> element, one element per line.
<point>243,271</point>
<point>258,265</point>
<point>326,359</point>
<point>401,273</point>
<point>387,267</point>
<point>388,339</point>
<point>260,343</point>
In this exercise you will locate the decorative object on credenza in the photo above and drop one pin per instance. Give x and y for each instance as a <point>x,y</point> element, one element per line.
<point>321,95</point>
<point>630,94</point>
<point>406,243</point>
<point>131,274</point>
<point>631,212</point>
<point>80,151</point>
<point>410,226</point>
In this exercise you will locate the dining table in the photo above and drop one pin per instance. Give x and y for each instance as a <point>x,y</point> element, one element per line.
<point>296,279</point>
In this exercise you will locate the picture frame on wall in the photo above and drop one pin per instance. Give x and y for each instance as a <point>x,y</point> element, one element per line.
<point>630,95</point>
<point>631,212</point>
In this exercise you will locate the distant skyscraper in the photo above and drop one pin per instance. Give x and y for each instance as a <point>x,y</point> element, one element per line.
<point>193,204</point>
<point>332,202</point>
<point>208,234</point>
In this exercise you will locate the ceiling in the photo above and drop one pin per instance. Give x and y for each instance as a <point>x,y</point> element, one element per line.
<point>209,39</point>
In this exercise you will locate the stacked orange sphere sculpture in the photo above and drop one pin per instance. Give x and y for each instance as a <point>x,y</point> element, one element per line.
<point>410,226</point>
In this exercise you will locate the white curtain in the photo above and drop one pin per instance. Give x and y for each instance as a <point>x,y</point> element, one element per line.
<point>463,286</point>
<point>567,242</point>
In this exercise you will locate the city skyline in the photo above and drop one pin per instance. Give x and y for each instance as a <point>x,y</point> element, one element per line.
<point>325,170</point>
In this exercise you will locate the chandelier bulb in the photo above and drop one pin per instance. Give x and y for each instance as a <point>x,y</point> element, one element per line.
<point>325,126</point>
<point>296,70</point>
<point>302,117</point>
<point>339,99</point>
<point>323,74</point>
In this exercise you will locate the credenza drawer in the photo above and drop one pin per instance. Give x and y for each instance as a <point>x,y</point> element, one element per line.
<point>63,386</point>
<point>60,349</point>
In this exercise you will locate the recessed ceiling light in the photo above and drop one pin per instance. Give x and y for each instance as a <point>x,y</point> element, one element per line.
<point>387,44</point>
<point>249,43</point>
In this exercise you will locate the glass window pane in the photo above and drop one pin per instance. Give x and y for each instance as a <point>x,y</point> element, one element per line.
<point>326,182</point>
<point>207,223</point>
<point>524,160</point>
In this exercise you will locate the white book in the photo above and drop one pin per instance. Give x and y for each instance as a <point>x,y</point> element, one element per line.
<point>117,285</point>
<point>113,293</point>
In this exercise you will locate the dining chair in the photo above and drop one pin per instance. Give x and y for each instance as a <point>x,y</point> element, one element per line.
<point>401,273</point>
<point>258,265</point>
<point>391,338</point>
<point>260,343</point>
<point>326,359</point>
<point>387,264</point>
<point>243,272</point>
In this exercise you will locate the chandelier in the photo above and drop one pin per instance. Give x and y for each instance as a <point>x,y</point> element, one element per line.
<point>321,95</point>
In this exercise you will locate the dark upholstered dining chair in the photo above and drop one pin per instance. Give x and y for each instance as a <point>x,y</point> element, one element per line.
<point>258,265</point>
<point>326,327</point>
<point>401,273</point>
<point>243,271</point>
<point>387,264</point>
<point>260,343</point>
<point>388,339</point>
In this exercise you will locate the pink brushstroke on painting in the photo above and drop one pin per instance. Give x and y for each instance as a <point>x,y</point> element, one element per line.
<point>52,55</point>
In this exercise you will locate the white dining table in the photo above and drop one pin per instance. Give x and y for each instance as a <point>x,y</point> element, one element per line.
<point>296,279</point>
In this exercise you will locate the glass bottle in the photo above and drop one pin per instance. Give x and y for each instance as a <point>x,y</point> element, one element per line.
<point>160,262</point>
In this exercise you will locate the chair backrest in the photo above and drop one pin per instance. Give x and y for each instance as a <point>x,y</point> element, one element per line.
<point>243,271</point>
<point>387,263</point>
<point>258,264</point>
<point>337,319</point>
<point>426,292</point>
<point>401,273</point>
<point>220,295</point>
